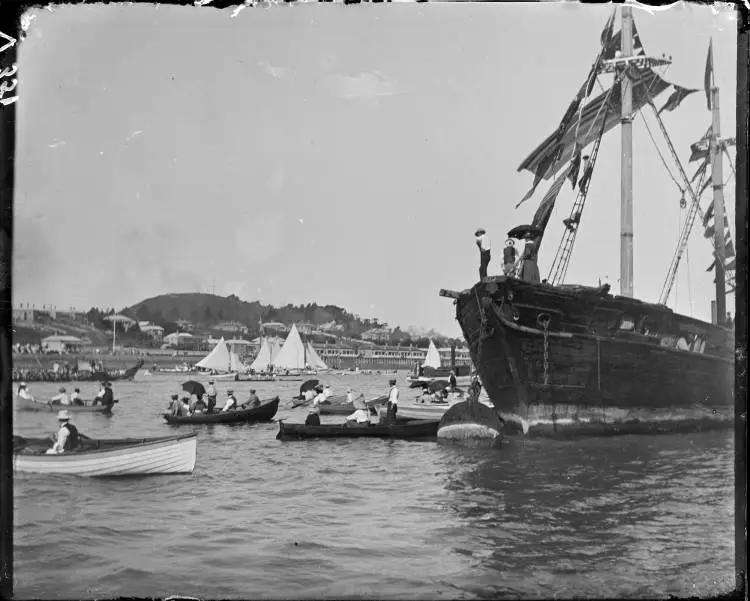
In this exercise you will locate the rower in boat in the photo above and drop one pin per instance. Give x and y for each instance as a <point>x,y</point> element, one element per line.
<point>211,394</point>
<point>313,417</point>
<point>67,436</point>
<point>231,402</point>
<point>23,392</point>
<point>62,398</point>
<point>108,398</point>
<point>392,402</point>
<point>253,401</point>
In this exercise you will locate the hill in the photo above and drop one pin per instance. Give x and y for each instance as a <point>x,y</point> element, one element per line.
<point>206,311</point>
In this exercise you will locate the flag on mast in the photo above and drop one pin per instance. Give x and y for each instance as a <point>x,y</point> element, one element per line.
<point>709,75</point>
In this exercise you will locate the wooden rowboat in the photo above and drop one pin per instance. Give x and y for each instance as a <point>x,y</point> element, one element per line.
<point>96,458</point>
<point>405,430</point>
<point>27,405</point>
<point>262,413</point>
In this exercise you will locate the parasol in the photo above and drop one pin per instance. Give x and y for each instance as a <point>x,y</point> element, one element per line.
<point>309,385</point>
<point>193,387</point>
<point>521,230</point>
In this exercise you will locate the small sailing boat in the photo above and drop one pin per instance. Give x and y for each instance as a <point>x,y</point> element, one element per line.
<point>561,359</point>
<point>222,364</point>
<point>297,357</point>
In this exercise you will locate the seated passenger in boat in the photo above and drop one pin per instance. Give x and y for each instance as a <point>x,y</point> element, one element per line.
<point>175,406</point>
<point>309,394</point>
<point>426,396</point>
<point>253,400</point>
<point>23,392</point>
<point>108,398</point>
<point>440,397</point>
<point>75,397</point>
<point>361,417</point>
<point>349,396</point>
<point>100,394</point>
<point>327,392</point>
<point>66,438</point>
<point>62,398</point>
<point>231,402</point>
<point>313,416</point>
<point>199,406</point>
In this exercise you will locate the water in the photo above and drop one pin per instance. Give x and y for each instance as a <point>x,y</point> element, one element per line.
<point>259,518</point>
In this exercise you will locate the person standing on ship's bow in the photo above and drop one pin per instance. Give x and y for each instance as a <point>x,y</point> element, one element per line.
<point>483,243</point>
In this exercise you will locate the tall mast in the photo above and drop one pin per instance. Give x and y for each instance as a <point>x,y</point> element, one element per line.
<point>717,177</point>
<point>626,181</point>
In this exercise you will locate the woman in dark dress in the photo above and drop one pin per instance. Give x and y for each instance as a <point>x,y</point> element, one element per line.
<point>529,268</point>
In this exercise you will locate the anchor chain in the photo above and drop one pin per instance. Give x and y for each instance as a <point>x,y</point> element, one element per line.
<point>543,320</point>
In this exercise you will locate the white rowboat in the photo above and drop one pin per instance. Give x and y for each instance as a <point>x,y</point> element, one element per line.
<point>124,457</point>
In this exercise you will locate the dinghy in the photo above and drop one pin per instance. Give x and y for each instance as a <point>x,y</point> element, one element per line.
<point>28,405</point>
<point>262,413</point>
<point>97,458</point>
<point>405,430</point>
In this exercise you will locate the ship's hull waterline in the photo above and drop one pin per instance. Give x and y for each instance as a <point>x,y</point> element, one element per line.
<point>602,376</point>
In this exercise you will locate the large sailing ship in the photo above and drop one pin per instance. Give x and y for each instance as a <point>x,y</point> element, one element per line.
<point>560,359</point>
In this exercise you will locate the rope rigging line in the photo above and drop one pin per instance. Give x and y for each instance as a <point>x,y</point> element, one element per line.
<point>663,160</point>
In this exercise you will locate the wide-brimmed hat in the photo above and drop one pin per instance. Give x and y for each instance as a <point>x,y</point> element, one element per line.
<point>509,242</point>
<point>108,384</point>
<point>392,382</point>
<point>64,415</point>
<point>230,391</point>
<point>175,396</point>
<point>319,388</point>
<point>62,388</point>
<point>210,381</point>
<point>479,232</point>
<point>252,391</point>
<point>77,389</point>
<point>22,385</point>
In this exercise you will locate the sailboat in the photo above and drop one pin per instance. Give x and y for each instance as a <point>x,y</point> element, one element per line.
<point>295,356</point>
<point>222,364</point>
<point>430,370</point>
<point>577,360</point>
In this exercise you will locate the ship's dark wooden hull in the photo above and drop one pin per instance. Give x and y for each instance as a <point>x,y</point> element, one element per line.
<point>602,376</point>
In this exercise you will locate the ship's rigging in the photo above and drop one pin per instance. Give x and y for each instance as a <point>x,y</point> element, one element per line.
<point>585,124</point>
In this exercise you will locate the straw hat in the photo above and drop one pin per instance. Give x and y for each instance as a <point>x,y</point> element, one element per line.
<point>63,416</point>
<point>479,232</point>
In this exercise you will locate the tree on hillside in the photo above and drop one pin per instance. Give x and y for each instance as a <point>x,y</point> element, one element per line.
<point>143,313</point>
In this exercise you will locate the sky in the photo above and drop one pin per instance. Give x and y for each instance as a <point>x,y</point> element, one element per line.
<point>333,154</point>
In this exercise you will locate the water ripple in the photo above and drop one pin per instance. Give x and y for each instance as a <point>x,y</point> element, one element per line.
<point>351,519</point>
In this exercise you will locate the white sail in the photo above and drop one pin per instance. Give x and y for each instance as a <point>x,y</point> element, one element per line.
<point>218,359</point>
<point>265,356</point>
<point>236,364</point>
<point>275,347</point>
<point>293,354</point>
<point>433,357</point>
<point>314,359</point>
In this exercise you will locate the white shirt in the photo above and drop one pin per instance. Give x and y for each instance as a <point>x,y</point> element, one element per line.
<point>24,394</point>
<point>484,242</point>
<point>360,416</point>
<point>231,402</point>
<point>327,392</point>
<point>59,446</point>
<point>316,404</point>
<point>309,395</point>
<point>100,394</point>
<point>349,398</point>
<point>393,396</point>
<point>211,391</point>
<point>73,396</point>
<point>63,398</point>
